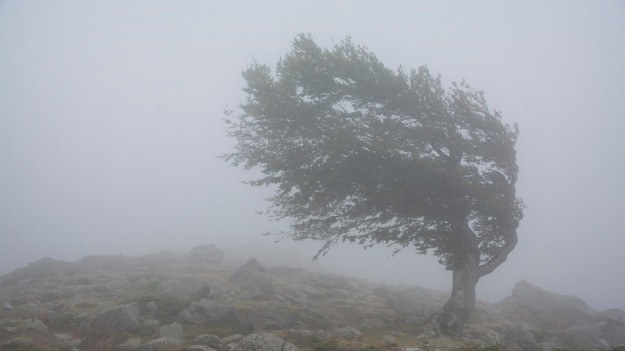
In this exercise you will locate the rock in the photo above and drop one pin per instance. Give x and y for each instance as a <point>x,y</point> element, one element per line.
<point>272,318</point>
<point>7,322</point>
<point>492,338</point>
<point>415,305</point>
<point>587,336</point>
<point>124,317</point>
<point>347,333</point>
<point>264,342</point>
<point>200,348</point>
<point>551,345</point>
<point>159,344</point>
<point>7,305</point>
<point>388,340</point>
<point>68,339</point>
<point>149,326</point>
<point>545,309</point>
<point>520,335</point>
<point>35,325</point>
<point>232,338</point>
<point>208,312</point>
<point>150,308</point>
<point>206,254</point>
<point>207,340</point>
<point>252,279</point>
<point>173,330</point>
<point>614,314</point>
<point>130,344</point>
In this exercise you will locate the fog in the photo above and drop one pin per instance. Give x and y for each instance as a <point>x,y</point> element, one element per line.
<point>111,121</point>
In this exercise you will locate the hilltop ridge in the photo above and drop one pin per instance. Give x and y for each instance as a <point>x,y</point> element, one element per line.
<point>201,300</point>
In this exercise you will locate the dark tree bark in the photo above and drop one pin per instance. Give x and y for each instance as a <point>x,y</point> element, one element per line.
<point>454,315</point>
<point>451,320</point>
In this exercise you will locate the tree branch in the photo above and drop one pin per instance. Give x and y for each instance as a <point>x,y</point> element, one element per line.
<point>500,257</point>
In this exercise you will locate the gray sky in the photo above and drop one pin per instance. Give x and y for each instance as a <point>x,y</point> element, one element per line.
<point>111,118</point>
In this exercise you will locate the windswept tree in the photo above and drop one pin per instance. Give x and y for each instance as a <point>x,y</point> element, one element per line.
<point>360,153</point>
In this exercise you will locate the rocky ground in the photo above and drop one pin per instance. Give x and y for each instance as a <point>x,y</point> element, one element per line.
<point>197,302</point>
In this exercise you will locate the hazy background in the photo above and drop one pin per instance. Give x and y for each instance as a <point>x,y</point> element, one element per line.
<point>111,121</point>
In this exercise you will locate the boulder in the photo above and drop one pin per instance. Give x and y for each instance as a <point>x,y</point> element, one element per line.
<point>264,342</point>
<point>614,314</point>
<point>347,333</point>
<point>209,312</point>
<point>206,254</point>
<point>200,348</point>
<point>34,325</point>
<point>520,335</point>
<point>252,279</point>
<point>160,344</point>
<point>587,336</point>
<point>130,344</point>
<point>173,330</point>
<point>124,317</point>
<point>545,309</point>
<point>207,340</point>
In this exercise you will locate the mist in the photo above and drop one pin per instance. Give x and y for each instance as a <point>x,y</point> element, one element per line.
<point>111,124</point>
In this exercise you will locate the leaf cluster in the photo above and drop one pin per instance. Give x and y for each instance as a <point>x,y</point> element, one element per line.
<point>361,153</point>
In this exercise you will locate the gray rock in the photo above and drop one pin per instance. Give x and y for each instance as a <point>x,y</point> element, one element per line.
<point>130,344</point>
<point>208,312</point>
<point>207,340</point>
<point>35,325</point>
<point>159,344</point>
<point>206,254</point>
<point>587,336</point>
<point>264,342</point>
<point>252,279</point>
<point>520,335</point>
<point>272,318</point>
<point>200,348</point>
<point>173,330</point>
<point>124,317</point>
<point>388,340</point>
<point>545,309</point>
<point>232,338</point>
<point>149,326</point>
<point>492,338</point>
<point>7,305</point>
<point>614,314</point>
<point>348,333</point>
<point>7,322</point>
<point>150,308</point>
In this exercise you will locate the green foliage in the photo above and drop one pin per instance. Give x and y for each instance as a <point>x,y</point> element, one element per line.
<point>361,153</point>
<point>326,345</point>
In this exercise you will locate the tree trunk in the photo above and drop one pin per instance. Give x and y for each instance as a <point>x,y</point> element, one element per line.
<point>450,321</point>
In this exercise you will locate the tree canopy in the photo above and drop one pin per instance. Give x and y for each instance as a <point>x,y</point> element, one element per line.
<point>361,153</point>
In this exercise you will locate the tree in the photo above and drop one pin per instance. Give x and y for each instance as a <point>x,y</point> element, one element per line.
<point>357,152</point>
